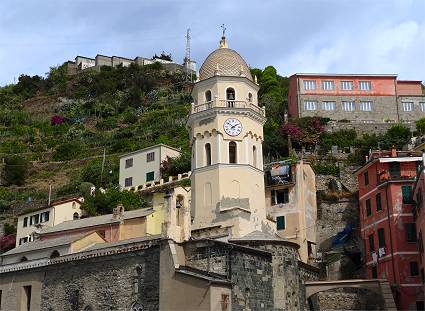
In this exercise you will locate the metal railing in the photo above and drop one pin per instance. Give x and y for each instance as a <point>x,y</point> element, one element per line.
<point>387,175</point>
<point>236,104</point>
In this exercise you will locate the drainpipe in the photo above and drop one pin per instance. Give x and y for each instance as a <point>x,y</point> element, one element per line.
<point>391,236</point>
<point>396,100</point>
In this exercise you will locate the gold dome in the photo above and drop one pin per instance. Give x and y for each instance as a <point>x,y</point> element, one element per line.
<point>224,62</point>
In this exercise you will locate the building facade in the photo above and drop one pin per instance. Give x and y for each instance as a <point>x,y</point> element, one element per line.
<point>144,165</point>
<point>31,223</point>
<point>419,214</point>
<point>291,203</point>
<point>356,98</point>
<point>388,226</point>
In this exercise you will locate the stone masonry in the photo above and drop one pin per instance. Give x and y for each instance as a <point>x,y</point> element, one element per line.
<point>114,282</point>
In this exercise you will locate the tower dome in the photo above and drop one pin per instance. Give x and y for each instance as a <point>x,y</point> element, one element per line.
<point>224,62</point>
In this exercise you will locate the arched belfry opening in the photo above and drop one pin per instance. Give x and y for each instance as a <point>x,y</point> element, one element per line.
<point>230,97</point>
<point>207,154</point>
<point>232,152</point>
<point>208,96</point>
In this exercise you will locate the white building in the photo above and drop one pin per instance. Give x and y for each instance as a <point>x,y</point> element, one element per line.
<point>59,211</point>
<point>141,166</point>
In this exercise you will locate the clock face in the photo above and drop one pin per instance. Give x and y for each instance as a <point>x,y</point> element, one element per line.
<point>233,127</point>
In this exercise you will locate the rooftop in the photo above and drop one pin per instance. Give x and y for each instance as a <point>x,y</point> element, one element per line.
<point>97,220</point>
<point>149,148</point>
<point>345,75</point>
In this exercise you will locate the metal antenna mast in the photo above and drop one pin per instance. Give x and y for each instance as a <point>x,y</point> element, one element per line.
<point>187,57</point>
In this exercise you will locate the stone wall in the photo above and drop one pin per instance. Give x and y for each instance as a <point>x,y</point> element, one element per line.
<point>365,128</point>
<point>113,282</point>
<point>347,299</point>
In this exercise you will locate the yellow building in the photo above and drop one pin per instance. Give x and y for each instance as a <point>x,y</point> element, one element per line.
<point>226,133</point>
<point>30,223</point>
<point>291,203</point>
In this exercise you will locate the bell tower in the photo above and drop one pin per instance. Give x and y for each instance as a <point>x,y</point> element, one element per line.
<point>226,132</point>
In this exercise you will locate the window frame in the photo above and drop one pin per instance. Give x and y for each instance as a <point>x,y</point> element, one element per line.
<point>284,193</point>
<point>366,178</point>
<point>310,105</point>
<point>366,105</point>
<point>422,106</point>
<point>414,268</point>
<point>381,238</point>
<point>329,105</point>
<point>407,195</point>
<point>280,222</point>
<point>128,162</point>
<point>411,234</point>
<point>309,84</point>
<point>351,103</point>
<point>378,205</point>
<point>25,222</point>
<point>371,240</point>
<point>364,83</point>
<point>346,82</point>
<point>328,85</point>
<point>406,105</point>
<point>150,156</point>
<point>207,149</point>
<point>368,207</point>
<point>233,152</point>
<point>128,181</point>
<point>149,174</point>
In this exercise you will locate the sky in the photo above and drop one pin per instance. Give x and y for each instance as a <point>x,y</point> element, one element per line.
<point>310,36</point>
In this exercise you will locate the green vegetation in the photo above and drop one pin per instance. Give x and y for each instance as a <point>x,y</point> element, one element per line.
<point>175,166</point>
<point>15,170</point>
<point>420,126</point>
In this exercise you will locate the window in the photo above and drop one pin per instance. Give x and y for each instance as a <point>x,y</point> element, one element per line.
<point>309,84</point>
<point>420,305</point>
<point>414,269</point>
<point>150,176</point>
<point>207,154</point>
<point>280,223</point>
<point>35,219</point>
<point>75,216</point>
<point>371,243</point>
<point>23,240</point>
<point>346,85</point>
<point>128,182</point>
<point>25,221</point>
<point>328,105</point>
<point>328,85</point>
<point>27,297</point>
<point>411,232</point>
<point>378,202</point>
<point>280,196</point>
<point>250,97</point>
<point>254,156</point>
<point>348,106</point>
<point>395,169</point>
<point>366,106</point>
<point>225,301</point>
<point>368,208</point>
<point>407,106</point>
<point>420,243</point>
<point>422,105</point>
<point>150,156</point>
<point>366,178</point>
<point>374,272</point>
<point>128,163</point>
<point>381,238</point>
<point>365,85</point>
<point>208,96</point>
<point>45,216</point>
<point>310,105</point>
<point>406,191</point>
<point>232,152</point>
<point>230,97</point>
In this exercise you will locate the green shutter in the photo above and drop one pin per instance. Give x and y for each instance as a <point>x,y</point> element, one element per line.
<point>406,191</point>
<point>381,237</point>
<point>280,222</point>
<point>150,176</point>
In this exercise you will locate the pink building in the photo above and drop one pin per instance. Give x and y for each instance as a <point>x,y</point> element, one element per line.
<point>419,213</point>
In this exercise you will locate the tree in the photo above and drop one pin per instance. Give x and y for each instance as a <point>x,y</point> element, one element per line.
<point>175,166</point>
<point>420,126</point>
<point>15,170</point>
<point>398,135</point>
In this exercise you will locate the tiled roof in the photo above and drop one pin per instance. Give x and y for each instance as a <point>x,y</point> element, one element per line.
<point>42,244</point>
<point>97,220</point>
<point>99,246</point>
<point>228,62</point>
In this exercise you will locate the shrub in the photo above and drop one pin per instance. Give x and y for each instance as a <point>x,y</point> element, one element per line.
<point>175,166</point>
<point>67,151</point>
<point>106,124</point>
<point>9,229</point>
<point>326,169</point>
<point>92,173</point>
<point>420,126</point>
<point>15,170</point>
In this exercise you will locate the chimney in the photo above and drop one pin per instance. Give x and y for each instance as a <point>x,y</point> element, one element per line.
<point>118,212</point>
<point>393,152</point>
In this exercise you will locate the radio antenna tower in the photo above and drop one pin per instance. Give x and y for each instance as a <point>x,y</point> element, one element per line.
<point>187,61</point>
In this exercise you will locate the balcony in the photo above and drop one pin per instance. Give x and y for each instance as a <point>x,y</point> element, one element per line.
<point>233,104</point>
<point>387,175</point>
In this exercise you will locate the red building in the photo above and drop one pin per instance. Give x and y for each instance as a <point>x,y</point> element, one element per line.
<point>419,213</point>
<point>387,224</point>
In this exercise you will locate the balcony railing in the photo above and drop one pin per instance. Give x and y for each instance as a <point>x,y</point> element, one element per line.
<point>235,104</point>
<point>387,175</point>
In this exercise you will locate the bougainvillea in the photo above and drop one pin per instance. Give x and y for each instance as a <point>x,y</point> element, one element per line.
<point>305,131</point>
<point>56,120</point>
<point>7,242</point>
